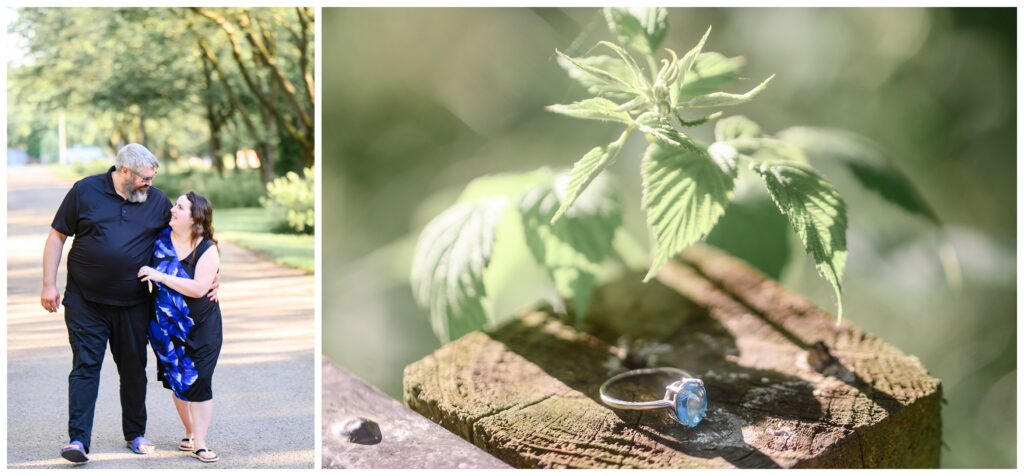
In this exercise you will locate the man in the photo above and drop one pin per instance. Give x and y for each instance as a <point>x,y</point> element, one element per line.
<point>115,218</point>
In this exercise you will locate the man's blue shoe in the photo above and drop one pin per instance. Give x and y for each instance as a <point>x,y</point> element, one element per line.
<point>140,445</point>
<point>74,452</point>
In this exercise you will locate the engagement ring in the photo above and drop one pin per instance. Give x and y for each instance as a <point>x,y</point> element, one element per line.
<point>685,397</point>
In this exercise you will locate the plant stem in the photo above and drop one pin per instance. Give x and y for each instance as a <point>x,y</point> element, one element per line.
<point>653,65</point>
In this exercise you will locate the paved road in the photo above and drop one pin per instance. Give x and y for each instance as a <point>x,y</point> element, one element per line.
<point>263,388</point>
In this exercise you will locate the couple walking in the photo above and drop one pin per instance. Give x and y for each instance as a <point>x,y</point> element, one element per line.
<point>139,270</point>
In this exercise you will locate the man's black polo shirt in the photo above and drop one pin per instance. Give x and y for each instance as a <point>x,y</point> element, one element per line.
<point>113,239</point>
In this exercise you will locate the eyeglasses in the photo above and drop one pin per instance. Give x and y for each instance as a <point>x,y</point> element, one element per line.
<point>144,178</point>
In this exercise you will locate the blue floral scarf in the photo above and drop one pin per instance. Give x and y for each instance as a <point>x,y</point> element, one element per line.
<point>169,331</point>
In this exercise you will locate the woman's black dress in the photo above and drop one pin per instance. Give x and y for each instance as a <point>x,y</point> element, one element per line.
<point>205,337</point>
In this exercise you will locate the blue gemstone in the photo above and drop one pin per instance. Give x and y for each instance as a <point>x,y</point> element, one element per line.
<point>692,403</point>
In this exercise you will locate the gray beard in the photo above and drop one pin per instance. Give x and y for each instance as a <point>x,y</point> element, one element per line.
<point>137,196</point>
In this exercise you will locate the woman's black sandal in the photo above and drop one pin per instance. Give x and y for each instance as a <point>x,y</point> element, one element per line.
<point>201,453</point>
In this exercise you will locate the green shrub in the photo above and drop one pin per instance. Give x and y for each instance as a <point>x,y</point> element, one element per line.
<point>236,189</point>
<point>80,170</point>
<point>293,197</point>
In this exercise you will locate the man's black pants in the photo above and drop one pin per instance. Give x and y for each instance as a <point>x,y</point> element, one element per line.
<point>90,326</point>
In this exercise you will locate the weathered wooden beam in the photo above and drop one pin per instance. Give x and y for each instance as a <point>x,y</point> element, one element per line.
<point>364,428</point>
<point>787,386</point>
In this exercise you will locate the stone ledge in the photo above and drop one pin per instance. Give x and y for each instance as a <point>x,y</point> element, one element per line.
<point>405,439</point>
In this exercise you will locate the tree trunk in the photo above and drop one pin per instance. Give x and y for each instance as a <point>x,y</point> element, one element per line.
<point>236,102</point>
<point>299,124</point>
<point>213,119</point>
<point>143,137</point>
<point>308,156</point>
<point>215,146</point>
<point>267,172</point>
<point>266,153</point>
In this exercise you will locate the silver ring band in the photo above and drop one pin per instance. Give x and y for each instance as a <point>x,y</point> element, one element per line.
<point>667,402</point>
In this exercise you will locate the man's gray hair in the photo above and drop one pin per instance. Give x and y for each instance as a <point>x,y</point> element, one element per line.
<point>135,157</point>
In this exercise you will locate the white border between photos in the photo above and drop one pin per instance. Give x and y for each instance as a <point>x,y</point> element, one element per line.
<point>318,237</point>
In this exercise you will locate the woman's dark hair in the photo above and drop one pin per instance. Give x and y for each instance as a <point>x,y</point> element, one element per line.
<point>202,218</point>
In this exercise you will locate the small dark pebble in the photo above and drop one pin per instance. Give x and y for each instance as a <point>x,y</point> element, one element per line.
<point>362,431</point>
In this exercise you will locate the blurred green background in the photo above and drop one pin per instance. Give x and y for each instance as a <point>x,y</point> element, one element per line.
<point>417,102</point>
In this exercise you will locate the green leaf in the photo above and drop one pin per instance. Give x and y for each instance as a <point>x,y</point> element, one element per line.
<point>815,211</point>
<point>455,249</point>
<point>685,192</point>
<point>719,99</point>
<point>660,127</point>
<point>736,127</point>
<point>600,83</point>
<point>585,170</point>
<point>616,79</point>
<point>767,148</point>
<point>642,29</point>
<point>725,155</point>
<point>508,185</point>
<point>735,135</point>
<point>573,248</point>
<point>690,58</point>
<point>669,72</point>
<point>451,255</point>
<point>865,159</point>
<point>600,109</point>
<point>686,64</point>
<point>709,73</point>
<point>639,81</point>
<point>753,230</point>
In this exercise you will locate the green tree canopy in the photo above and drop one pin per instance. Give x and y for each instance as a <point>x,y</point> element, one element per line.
<point>182,81</point>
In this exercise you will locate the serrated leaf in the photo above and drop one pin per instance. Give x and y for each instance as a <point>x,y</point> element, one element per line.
<point>660,127</point>
<point>709,73</point>
<point>614,80</point>
<point>690,58</point>
<point>451,255</point>
<point>869,165</point>
<point>639,81</point>
<point>642,29</point>
<point>685,66</point>
<point>725,155</point>
<point>600,109</point>
<point>815,211</point>
<point>719,99</point>
<point>685,192</point>
<point>585,170</point>
<point>736,127</point>
<point>600,85</point>
<point>572,249</point>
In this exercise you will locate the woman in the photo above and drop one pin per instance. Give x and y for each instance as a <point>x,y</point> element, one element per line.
<point>186,332</point>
